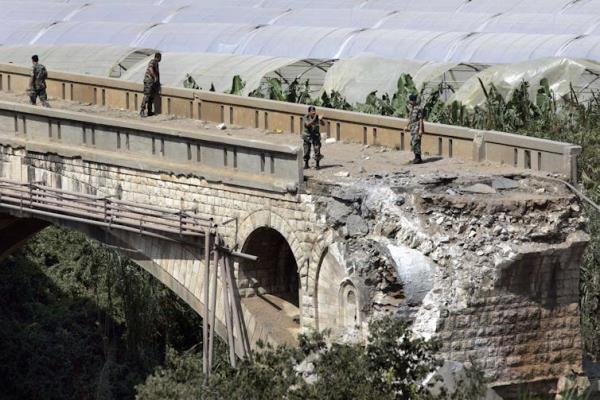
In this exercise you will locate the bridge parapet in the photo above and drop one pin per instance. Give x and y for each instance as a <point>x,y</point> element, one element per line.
<point>216,158</point>
<point>441,140</point>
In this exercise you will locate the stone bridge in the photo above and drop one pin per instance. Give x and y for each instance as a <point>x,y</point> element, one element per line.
<point>485,257</point>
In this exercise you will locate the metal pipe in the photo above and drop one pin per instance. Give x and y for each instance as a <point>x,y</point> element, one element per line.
<point>205,317</point>
<point>211,323</point>
<point>213,304</point>
<point>238,319</point>
<point>226,289</point>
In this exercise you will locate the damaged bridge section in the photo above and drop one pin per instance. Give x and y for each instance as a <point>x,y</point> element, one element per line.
<point>487,264</point>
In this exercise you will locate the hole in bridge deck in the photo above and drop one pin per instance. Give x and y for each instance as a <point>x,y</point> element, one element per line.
<point>270,286</point>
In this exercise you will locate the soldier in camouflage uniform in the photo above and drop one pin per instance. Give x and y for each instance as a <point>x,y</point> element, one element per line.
<point>312,136</point>
<point>151,85</point>
<point>416,126</point>
<point>37,83</point>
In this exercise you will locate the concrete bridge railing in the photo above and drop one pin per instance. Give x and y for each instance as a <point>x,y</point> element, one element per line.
<point>440,140</point>
<point>216,158</point>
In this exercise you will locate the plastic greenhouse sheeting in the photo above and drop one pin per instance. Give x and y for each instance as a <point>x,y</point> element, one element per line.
<point>114,33</point>
<point>298,4</point>
<point>402,44</point>
<point>296,42</point>
<point>584,7</point>
<point>437,22</point>
<point>356,77</point>
<point>215,69</point>
<point>560,73</point>
<point>338,18</point>
<point>211,3</point>
<point>240,15</point>
<point>584,47</point>
<point>212,38</point>
<point>20,32</point>
<point>517,6</point>
<point>415,5</point>
<point>503,48</point>
<point>35,11</point>
<point>123,12</point>
<point>542,23</point>
<point>80,59</point>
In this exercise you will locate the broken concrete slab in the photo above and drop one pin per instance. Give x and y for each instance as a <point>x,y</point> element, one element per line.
<point>502,183</point>
<point>479,188</point>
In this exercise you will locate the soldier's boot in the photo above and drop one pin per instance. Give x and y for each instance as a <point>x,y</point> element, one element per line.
<point>317,164</point>
<point>45,103</point>
<point>306,166</point>
<point>418,159</point>
<point>150,113</point>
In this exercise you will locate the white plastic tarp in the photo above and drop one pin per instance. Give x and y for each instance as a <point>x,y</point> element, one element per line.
<point>239,15</point>
<point>503,48</point>
<point>112,33</point>
<point>41,11</point>
<point>583,47</point>
<point>583,7</point>
<point>80,59</point>
<point>204,38</point>
<point>296,42</point>
<point>356,77</point>
<point>554,24</point>
<point>211,3</point>
<point>123,12</point>
<point>297,4</point>
<point>20,32</point>
<point>335,18</point>
<point>415,5</point>
<point>560,72</point>
<point>436,21</point>
<point>517,6</point>
<point>402,44</point>
<point>215,69</point>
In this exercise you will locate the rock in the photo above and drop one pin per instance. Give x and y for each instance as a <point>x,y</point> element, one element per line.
<point>356,226</point>
<point>330,140</point>
<point>337,212</point>
<point>451,377</point>
<point>343,174</point>
<point>437,179</point>
<point>222,126</point>
<point>502,183</point>
<point>362,170</point>
<point>479,188</point>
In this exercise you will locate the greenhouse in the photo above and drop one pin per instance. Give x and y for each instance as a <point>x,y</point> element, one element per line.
<point>351,47</point>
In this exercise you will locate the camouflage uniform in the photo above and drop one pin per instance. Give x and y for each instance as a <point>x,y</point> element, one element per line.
<point>312,136</point>
<point>151,86</point>
<point>38,88</point>
<point>414,123</point>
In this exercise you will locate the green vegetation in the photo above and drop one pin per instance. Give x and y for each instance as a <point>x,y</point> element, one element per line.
<point>389,367</point>
<point>80,322</point>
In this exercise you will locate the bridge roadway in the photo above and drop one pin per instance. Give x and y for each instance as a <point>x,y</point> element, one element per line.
<point>250,183</point>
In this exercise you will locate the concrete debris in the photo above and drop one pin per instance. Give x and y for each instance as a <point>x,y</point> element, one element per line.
<point>330,140</point>
<point>343,174</point>
<point>357,226</point>
<point>479,188</point>
<point>222,126</point>
<point>502,183</point>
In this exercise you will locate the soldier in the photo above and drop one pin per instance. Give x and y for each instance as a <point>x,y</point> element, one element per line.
<point>312,136</point>
<point>151,85</point>
<point>37,83</point>
<point>416,126</point>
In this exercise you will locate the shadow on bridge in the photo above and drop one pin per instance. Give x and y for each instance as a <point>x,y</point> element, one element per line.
<point>270,286</point>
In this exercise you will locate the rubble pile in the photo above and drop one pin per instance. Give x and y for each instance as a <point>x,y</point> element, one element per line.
<point>441,248</point>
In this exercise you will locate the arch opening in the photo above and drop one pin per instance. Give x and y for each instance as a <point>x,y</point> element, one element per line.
<point>276,271</point>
